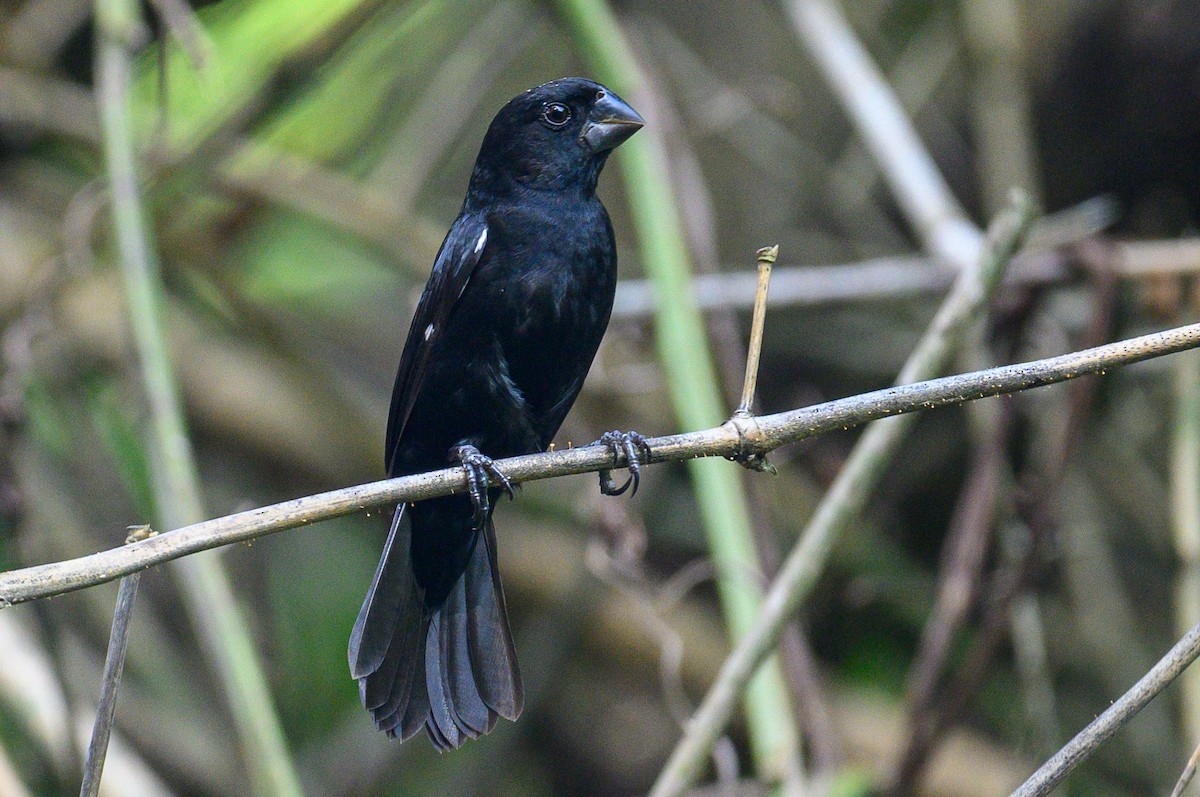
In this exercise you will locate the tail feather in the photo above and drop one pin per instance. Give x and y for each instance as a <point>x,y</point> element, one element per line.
<point>469,712</point>
<point>451,669</point>
<point>383,690</point>
<point>394,683</point>
<point>443,730</point>
<point>489,640</point>
<point>391,599</point>
<point>389,628</point>
<point>410,718</point>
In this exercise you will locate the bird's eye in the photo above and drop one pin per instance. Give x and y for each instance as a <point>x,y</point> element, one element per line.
<point>556,114</point>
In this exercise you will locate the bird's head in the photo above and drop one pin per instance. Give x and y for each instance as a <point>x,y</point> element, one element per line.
<point>554,137</point>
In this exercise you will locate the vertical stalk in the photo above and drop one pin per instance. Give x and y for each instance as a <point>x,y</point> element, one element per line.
<point>766,258</point>
<point>207,593</point>
<point>1185,521</point>
<point>114,666</point>
<point>687,363</point>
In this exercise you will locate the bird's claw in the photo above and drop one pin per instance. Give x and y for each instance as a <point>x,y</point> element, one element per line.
<point>480,469</point>
<point>636,450</point>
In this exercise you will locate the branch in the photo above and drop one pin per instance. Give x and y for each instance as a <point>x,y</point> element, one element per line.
<point>758,435</point>
<point>918,187</point>
<point>887,278</point>
<point>1103,727</point>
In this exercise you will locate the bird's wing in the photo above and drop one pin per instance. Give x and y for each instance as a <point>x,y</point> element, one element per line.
<point>456,261</point>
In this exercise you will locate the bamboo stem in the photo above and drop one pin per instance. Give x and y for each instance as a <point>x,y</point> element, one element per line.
<point>687,363</point>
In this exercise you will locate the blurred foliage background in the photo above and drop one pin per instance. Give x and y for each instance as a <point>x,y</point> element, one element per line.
<point>302,160</point>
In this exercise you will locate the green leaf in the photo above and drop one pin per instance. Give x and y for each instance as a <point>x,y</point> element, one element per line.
<point>289,259</point>
<point>250,39</point>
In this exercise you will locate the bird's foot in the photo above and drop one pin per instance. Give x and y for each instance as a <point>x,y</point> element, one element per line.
<point>636,450</point>
<point>479,469</point>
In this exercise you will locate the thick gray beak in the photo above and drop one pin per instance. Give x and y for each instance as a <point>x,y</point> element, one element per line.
<point>610,123</point>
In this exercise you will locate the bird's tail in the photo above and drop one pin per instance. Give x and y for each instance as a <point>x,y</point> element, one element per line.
<point>452,668</point>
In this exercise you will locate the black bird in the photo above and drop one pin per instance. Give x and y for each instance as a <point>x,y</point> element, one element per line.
<point>498,349</point>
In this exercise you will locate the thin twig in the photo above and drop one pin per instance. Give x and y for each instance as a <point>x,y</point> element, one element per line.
<point>729,352</point>
<point>761,434</point>
<point>1101,729</point>
<point>1189,772</point>
<point>889,278</point>
<point>114,666</point>
<point>962,562</point>
<point>766,258</point>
